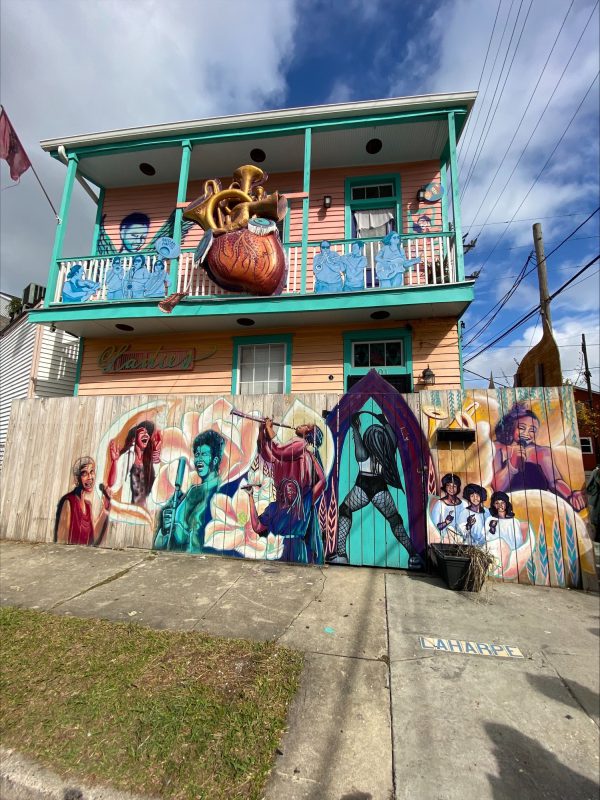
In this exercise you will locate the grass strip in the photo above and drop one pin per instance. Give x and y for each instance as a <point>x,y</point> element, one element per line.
<point>169,714</point>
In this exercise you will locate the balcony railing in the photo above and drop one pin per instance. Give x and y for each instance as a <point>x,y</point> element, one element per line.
<point>143,276</point>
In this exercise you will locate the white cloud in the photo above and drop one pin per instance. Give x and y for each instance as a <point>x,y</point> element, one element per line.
<point>568,181</point>
<point>71,67</point>
<point>502,360</point>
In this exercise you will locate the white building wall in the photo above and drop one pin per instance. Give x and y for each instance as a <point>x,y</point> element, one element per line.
<point>49,372</point>
<point>56,364</point>
<point>17,346</point>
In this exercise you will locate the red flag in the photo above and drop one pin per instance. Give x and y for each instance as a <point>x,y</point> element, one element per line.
<point>11,149</point>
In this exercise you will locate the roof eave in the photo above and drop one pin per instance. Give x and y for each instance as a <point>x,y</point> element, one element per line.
<point>302,115</point>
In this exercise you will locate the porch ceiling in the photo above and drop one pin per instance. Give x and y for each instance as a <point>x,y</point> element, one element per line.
<point>344,147</point>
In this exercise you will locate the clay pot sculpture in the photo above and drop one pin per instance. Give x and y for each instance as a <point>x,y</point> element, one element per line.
<point>245,261</point>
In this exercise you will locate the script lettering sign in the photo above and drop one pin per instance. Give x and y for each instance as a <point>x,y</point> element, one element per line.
<point>119,358</point>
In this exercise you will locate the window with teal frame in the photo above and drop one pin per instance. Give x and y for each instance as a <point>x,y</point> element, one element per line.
<point>262,364</point>
<point>388,350</point>
<point>370,193</point>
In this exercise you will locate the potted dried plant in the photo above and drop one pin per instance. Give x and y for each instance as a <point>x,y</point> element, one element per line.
<point>462,566</point>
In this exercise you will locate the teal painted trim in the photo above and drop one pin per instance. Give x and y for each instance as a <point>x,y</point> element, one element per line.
<point>367,180</point>
<point>184,171</point>
<point>459,293</point>
<point>61,227</point>
<point>286,228</point>
<point>382,334</point>
<point>284,129</point>
<point>460,259</point>
<point>98,223</point>
<point>305,204</point>
<point>279,338</point>
<point>460,358</point>
<point>78,369</point>
<point>444,182</point>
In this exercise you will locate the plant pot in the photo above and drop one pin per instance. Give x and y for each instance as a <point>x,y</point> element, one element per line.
<point>453,566</point>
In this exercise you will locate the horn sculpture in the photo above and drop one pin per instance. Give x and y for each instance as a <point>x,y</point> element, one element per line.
<point>246,254</point>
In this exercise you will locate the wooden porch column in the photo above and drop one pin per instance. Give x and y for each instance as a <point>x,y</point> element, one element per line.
<point>460,259</point>
<point>305,205</point>
<point>186,154</point>
<point>61,228</point>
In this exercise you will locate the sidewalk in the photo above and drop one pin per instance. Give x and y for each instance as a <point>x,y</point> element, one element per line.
<point>464,726</point>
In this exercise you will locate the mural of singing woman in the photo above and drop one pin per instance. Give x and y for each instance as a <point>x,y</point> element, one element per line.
<point>506,536</point>
<point>132,466</point>
<point>472,526</point>
<point>448,511</point>
<point>521,463</point>
<point>375,452</point>
<point>75,522</point>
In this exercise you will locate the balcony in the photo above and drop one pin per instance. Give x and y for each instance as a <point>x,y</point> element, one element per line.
<point>431,261</point>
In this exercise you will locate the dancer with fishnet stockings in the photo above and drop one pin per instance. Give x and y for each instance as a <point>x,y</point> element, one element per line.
<point>375,452</point>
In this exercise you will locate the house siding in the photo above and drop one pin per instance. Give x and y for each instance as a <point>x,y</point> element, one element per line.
<point>159,201</point>
<point>56,369</point>
<point>17,346</point>
<point>317,354</point>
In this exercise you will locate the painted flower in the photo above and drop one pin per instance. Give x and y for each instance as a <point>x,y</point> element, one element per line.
<point>231,529</point>
<point>240,445</point>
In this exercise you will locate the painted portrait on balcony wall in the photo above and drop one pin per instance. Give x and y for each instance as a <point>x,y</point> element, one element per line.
<point>423,219</point>
<point>137,232</point>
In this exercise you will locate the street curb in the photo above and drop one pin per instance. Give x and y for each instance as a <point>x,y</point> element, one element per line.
<point>22,778</point>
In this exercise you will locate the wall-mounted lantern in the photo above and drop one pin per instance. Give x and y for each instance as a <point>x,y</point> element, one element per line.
<point>327,201</point>
<point>428,376</point>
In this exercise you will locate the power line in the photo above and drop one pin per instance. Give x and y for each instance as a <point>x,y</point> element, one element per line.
<point>470,371</point>
<point>585,27</point>
<point>518,128</point>
<point>556,146</point>
<point>467,143</point>
<point>533,311</point>
<point>576,239</point>
<point>566,239</point>
<point>520,277</point>
<point>495,310</point>
<point>495,105</point>
<point>527,219</point>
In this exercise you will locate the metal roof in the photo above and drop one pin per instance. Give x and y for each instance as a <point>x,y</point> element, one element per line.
<point>301,116</point>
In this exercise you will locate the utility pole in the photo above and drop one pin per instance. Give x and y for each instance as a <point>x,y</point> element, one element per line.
<point>587,374</point>
<point>538,242</point>
<point>588,379</point>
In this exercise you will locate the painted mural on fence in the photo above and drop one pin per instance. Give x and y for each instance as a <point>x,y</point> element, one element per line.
<point>365,482</point>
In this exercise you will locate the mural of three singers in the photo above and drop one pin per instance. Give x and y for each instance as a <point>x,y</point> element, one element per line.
<point>364,483</point>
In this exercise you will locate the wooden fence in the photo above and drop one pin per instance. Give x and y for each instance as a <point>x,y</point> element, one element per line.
<point>369,477</point>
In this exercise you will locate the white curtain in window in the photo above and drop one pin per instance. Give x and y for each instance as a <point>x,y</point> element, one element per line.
<point>373,224</point>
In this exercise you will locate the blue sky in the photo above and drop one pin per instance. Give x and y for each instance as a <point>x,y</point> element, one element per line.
<point>71,67</point>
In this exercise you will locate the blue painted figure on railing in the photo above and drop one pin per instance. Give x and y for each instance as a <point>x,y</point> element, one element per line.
<point>355,265</point>
<point>115,278</point>
<point>391,262</point>
<point>137,278</point>
<point>76,288</point>
<point>158,281</point>
<point>328,267</point>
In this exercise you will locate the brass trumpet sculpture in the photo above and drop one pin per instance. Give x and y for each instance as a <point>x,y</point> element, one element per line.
<point>246,254</point>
